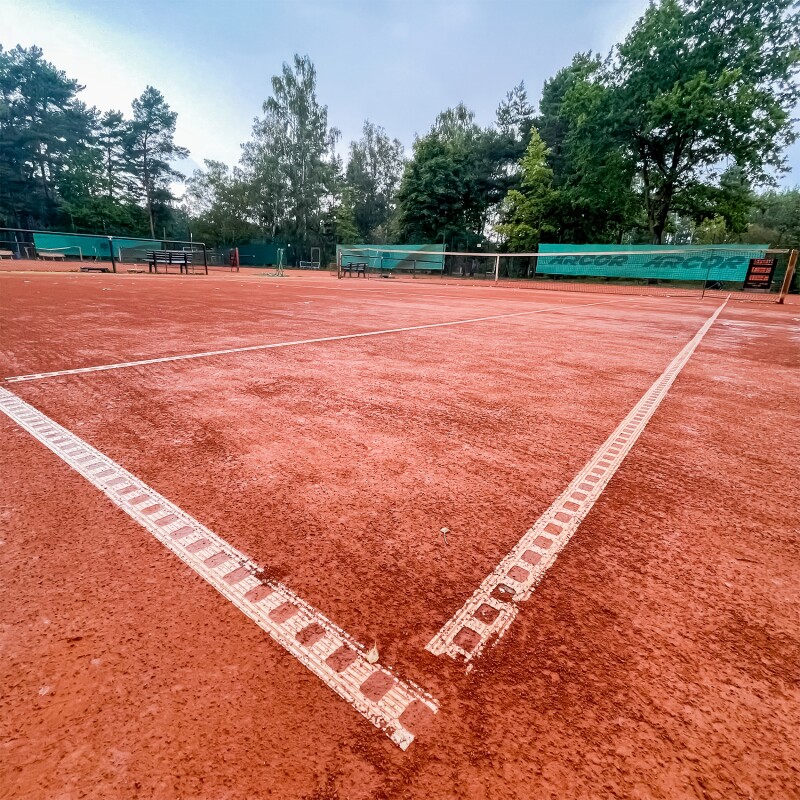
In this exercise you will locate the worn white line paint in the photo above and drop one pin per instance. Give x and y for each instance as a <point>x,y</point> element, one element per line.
<point>494,605</point>
<point>325,649</point>
<point>251,348</point>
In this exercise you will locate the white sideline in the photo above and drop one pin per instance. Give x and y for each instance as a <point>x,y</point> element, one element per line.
<point>494,604</point>
<point>321,646</point>
<point>251,348</point>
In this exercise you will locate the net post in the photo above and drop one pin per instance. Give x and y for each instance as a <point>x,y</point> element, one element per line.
<point>205,257</point>
<point>111,250</point>
<point>497,268</point>
<point>787,278</point>
<point>338,264</point>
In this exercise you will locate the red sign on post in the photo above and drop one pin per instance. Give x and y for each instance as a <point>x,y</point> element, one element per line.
<point>759,273</point>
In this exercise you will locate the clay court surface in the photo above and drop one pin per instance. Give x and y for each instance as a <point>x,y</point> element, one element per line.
<point>657,658</point>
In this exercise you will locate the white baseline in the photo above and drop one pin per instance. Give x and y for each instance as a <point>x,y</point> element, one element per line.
<point>326,650</point>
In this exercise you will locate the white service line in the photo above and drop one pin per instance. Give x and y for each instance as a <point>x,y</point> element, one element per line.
<point>321,646</point>
<point>251,348</point>
<point>494,605</point>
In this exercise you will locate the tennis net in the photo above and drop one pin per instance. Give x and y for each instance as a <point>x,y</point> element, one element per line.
<point>753,272</point>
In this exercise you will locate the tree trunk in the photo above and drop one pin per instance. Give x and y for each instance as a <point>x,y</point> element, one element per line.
<point>147,184</point>
<point>109,175</point>
<point>43,175</point>
<point>661,213</point>
<point>657,233</point>
<point>648,198</point>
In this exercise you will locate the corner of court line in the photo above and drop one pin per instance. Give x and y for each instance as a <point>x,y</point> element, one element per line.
<point>488,613</point>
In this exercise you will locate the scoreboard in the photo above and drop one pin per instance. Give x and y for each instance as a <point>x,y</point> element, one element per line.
<point>759,273</point>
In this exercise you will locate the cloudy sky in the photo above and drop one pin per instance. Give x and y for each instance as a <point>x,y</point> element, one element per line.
<point>395,62</point>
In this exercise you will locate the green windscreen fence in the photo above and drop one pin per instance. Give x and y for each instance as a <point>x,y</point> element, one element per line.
<point>390,257</point>
<point>258,254</point>
<point>724,263</point>
<point>91,246</point>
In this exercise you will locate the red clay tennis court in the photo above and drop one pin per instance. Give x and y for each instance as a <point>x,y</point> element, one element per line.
<point>466,541</point>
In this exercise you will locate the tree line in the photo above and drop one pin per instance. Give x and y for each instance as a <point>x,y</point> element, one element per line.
<point>64,165</point>
<point>675,136</point>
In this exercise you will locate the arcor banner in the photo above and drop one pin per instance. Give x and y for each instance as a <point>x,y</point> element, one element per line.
<point>689,263</point>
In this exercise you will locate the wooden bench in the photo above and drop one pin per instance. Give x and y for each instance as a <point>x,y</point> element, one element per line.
<point>182,258</point>
<point>6,254</point>
<point>359,266</point>
<point>45,254</point>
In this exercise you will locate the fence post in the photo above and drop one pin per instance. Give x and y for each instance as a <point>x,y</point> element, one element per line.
<point>787,278</point>
<point>705,282</point>
<point>338,264</point>
<point>497,268</point>
<point>205,258</point>
<point>111,250</point>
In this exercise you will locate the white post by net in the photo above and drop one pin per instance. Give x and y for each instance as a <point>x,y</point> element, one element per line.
<point>497,268</point>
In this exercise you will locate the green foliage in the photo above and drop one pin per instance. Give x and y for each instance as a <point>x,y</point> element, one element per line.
<point>44,130</point>
<point>769,218</point>
<point>525,211</point>
<point>150,146</point>
<point>65,165</point>
<point>593,176</point>
<point>688,114</point>
<point>454,181</point>
<point>290,162</point>
<point>728,202</point>
<point>515,115</point>
<point>112,133</point>
<point>698,82</point>
<point>776,218</point>
<point>267,200</point>
<point>711,231</point>
<point>346,229</point>
<point>373,174</point>
<point>216,201</point>
<point>671,136</point>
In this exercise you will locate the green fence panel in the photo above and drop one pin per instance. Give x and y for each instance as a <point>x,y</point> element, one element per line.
<point>385,257</point>
<point>90,246</point>
<point>690,263</point>
<point>259,254</point>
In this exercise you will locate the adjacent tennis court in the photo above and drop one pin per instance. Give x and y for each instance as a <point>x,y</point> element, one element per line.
<point>370,454</point>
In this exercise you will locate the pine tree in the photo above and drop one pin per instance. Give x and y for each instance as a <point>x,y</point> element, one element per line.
<point>150,148</point>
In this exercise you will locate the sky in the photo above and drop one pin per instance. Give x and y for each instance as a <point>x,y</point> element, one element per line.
<point>397,63</point>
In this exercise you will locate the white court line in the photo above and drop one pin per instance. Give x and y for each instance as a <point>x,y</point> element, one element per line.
<point>251,348</point>
<point>494,605</point>
<point>383,291</point>
<point>321,646</point>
